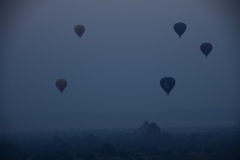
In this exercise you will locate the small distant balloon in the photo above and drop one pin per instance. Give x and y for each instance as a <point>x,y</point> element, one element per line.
<point>206,48</point>
<point>61,84</point>
<point>180,28</point>
<point>167,84</point>
<point>79,30</point>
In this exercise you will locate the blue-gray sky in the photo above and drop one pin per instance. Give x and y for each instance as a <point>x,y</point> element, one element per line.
<point>127,47</point>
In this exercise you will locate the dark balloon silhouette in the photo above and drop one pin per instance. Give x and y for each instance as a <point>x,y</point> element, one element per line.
<point>180,28</point>
<point>206,48</point>
<point>61,84</point>
<point>79,30</point>
<point>167,84</point>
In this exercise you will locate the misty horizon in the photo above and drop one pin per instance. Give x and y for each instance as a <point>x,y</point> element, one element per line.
<point>173,118</point>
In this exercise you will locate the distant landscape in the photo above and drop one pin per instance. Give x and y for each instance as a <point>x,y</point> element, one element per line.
<point>146,142</point>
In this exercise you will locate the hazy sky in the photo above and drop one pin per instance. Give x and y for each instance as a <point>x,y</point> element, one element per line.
<point>127,47</point>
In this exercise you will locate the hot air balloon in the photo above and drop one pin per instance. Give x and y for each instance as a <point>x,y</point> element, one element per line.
<point>61,84</point>
<point>180,28</point>
<point>79,30</point>
<point>206,48</point>
<point>167,84</point>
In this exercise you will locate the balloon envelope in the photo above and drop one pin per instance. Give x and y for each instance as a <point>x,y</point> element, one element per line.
<point>180,28</point>
<point>206,48</point>
<point>61,84</point>
<point>79,30</point>
<point>167,84</point>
